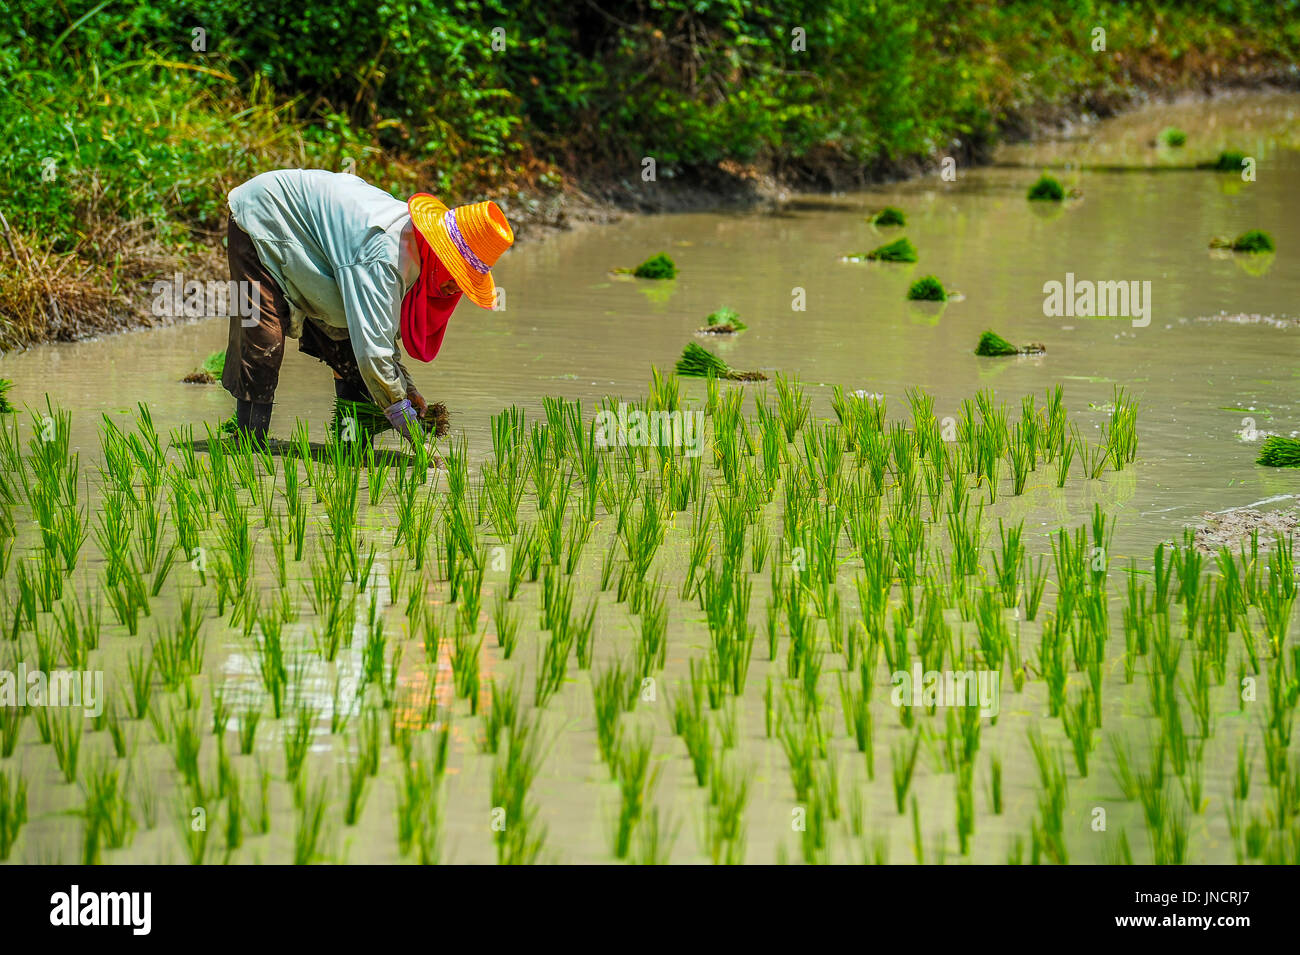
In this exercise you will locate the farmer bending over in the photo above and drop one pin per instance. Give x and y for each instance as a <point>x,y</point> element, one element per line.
<point>347,270</point>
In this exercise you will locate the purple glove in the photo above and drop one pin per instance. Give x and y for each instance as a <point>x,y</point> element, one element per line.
<point>402,417</point>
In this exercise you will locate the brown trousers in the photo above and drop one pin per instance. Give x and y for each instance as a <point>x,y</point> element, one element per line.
<point>254,351</point>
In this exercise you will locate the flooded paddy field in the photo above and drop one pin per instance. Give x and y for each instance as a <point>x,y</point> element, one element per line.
<point>555,647</point>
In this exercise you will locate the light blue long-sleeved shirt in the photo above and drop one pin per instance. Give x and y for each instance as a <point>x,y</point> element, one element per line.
<point>344,254</point>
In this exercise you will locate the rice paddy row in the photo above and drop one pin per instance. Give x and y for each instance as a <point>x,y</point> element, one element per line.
<point>466,663</point>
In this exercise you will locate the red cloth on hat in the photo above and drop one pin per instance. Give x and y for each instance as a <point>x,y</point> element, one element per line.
<point>424,311</point>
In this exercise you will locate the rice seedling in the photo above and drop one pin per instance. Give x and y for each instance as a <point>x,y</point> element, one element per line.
<point>691,723</point>
<point>1048,830</point>
<point>140,674</point>
<point>793,408</point>
<point>310,832</point>
<point>506,624</point>
<point>465,667</point>
<point>11,726</point>
<point>297,740</point>
<point>856,708</point>
<point>1078,723</point>
<point>13,811</point>
<point>106,814</point>
<point>655,836</point>
<point>904,765</point>
<point>504,713</point>
<point>553,664</point>
<point>724,817</point>
<point>177,652</point>
<point>519,838</point>
<point>186,745</point>
<point>631,768</point>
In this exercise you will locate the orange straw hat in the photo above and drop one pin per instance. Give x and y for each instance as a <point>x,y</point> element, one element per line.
<point>468,240</point>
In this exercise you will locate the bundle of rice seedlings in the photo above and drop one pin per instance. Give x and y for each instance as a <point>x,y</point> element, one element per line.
<point>1280,452</point>
<point>1229,160</point>
<point>656,267</point>
<point>209,372</point>
<point>1172,136</point>
<point>993,345</point>
<point>725,321</point>
<point>371,420</point>
<point>1254,241</point>
<point>889,216</point>
<point>699,362</point>
<point>900,250</point>
<point>5,406</point>
<point>927,289</point>
<point>1047,189</point>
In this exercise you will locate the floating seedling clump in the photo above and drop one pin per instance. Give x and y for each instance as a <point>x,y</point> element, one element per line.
<point>5,387</point>
<point>1230,160</point>
<point>1047,189</point>
<point>656,267</point>
<point>1252,241</point>
<point>209,372</point>
<point>900,250</point>
<point>698,362</point>
<point>993,345</point>
<point>725,321</point>
<point>1280,452</point>
<point>889,216</point>
<point>927,289</point>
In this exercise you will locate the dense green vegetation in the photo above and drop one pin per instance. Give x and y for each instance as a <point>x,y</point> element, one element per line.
<point>126,127</point>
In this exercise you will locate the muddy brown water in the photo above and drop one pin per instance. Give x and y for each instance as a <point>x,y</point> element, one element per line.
<point>1221,355</point>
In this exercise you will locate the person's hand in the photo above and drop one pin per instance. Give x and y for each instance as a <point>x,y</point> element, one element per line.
<point>402,417</point>
<point>417,402</point>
